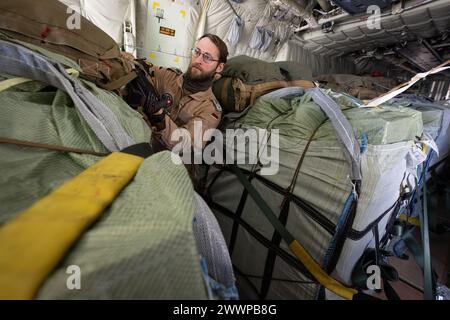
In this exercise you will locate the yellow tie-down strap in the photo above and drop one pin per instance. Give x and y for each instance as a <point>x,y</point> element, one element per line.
<point>32,244</point>
<point>8,83</point>
<point>411,220</point>
<point>318,273</point>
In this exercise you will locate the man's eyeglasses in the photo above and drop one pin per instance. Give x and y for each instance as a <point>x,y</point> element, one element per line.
<point>196,52</point>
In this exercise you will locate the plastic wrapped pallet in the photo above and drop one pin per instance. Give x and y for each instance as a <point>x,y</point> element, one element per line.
<point>319,200</point>
<point>436,120</point>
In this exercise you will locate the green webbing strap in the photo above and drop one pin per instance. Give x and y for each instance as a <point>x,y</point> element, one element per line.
<point>389,291</point>
<point>418,254</point>
<point>263,205</point>
<point>359,274</point>
<point>423,258</point>
<point>313,267</point>
<point>428,284</point>
<point>413,248</point>
<point>421,255</point>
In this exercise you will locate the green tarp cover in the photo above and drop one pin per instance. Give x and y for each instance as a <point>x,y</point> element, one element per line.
<point>251,70</point>
<point>323,183</point>
<point>143,246</point>
<point>294,70</point>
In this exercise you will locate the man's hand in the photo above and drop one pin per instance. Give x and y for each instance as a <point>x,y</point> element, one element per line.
<point>158,106</point>
<point>157,117</point>
<point>157,120</point>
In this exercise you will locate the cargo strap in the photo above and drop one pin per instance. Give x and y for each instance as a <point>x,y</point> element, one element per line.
<point>283,217</point>
<point>351,150</point>
<point>421,254</point>
<point>429,288</point>
<point>389,273</point>
<point>405,86</point>
<point>372,257</point>
<point>9,83</point>
<point>342,127</point>
<point>299,251</point>
<point>32,244</point>
<point>410,220</point>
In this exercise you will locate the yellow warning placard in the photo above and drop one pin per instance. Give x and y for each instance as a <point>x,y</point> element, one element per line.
<point>167,31</point>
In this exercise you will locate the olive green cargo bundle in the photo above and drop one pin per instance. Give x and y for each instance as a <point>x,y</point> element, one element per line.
<point>244,79</point>
<point>315,193</point>
<point>97,54</point>
<point>142,246</point>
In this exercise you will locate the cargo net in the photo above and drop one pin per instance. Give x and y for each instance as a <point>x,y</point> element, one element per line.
<point>332,216</point>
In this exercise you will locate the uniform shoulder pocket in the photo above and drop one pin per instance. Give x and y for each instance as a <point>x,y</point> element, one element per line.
<point>176,70</point>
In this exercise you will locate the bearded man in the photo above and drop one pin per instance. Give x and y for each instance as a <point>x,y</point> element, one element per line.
<point>193,105</point>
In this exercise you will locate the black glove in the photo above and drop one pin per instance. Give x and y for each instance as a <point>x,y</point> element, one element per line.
<point>157,120</point>
<point>152,106</point>
<point>140,91</point>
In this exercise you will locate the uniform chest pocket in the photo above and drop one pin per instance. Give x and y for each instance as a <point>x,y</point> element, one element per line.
<point>184,114</point>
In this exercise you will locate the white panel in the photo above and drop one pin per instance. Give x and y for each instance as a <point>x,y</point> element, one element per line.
<point>178,15</point>
<point>105,14</point>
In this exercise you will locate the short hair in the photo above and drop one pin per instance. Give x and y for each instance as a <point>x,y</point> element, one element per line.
<point>223,50</point>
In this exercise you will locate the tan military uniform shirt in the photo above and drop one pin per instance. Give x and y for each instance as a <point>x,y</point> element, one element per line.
<point>187,108</point>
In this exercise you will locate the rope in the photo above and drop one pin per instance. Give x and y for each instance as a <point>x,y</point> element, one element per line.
<point>49,147</point>
<point>232,8</point>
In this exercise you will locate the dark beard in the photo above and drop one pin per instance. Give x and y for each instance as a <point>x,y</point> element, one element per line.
<point>200,78</point>
<point>198,83</point>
